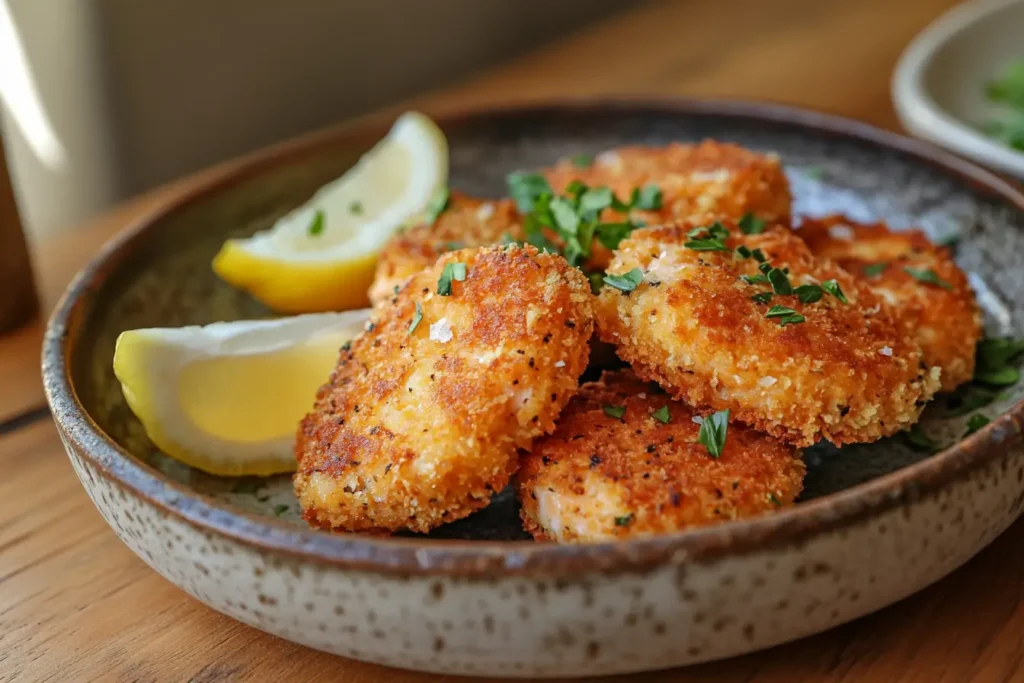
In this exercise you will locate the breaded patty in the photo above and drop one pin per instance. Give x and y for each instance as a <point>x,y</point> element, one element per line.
<point>422,418</point>
<point>465,223</point>
<point>707,180</point>
<point>845,372</point>
<point>941,314</point>
<point>598,477</point>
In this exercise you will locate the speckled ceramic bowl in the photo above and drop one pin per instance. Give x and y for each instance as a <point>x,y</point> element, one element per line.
<point>875,524</point>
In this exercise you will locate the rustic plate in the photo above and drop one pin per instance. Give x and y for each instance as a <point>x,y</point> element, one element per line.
<point>876,522</point>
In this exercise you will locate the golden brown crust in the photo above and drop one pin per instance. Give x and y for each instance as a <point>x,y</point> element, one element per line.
<point>945,322</point>
<point>600,478</point>
<point>848,374</point>
<point>707,180</point>
<point>412,431</point>
<point>466,223</point>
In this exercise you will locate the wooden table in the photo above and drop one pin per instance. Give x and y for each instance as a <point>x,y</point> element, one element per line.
<point>75,604</point>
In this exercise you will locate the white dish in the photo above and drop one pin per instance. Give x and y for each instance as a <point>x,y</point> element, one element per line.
<point>938,87</point>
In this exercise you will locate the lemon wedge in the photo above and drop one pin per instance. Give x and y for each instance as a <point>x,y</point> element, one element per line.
<point>227,398</point>
<point>321,256</point>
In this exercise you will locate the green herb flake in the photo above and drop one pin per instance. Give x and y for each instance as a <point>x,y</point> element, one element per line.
<point>809,294</point>
<point>774,500</point>
<point>416,318</point>
<point>438,203</point>
<point>451,271</point>
<point>625,520</point>
<point>919,441</point>
<point>316,226</point>
<point>596,280</point>
<point>929,277</point>
<point>280,509</point>
<point>762,297</point>
<point>626,282</point>
<point>833,288</point>
<point>976,422</point>
<point>454,246</point>
<point>596,199</point>
<point>1001,377</point>
<point>758,279</point>
<point>791,319</point>
<point>996,352</point>
<point>779,281</point>
<point>759,256</point>
<point>662,415</point>
<point>751,224</point>
<point>582,160</point>
<point>527,188</point>
<point>713,432</point>
<point>968,398</point>
<point>779,312</point>
<point>614,411</point>
<point>612,234</point>
<point>874,269</point>
<point>743,252</point>
<point>565,216</point>
<point>707,244</point>
<point>649,198</point>
<point>356,208</point>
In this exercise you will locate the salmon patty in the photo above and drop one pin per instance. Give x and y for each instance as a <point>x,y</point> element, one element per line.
<point>793,345</point>
<point>930,294</point>
<point>466,222</point>
<point>421,421</point>
<point>602,477</point>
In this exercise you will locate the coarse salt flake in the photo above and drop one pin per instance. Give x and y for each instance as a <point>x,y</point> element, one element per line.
<point>441,331</point>
<point>841,232</point>
<point>560,364</point>
<point>885,351</point>
<point>767,381</point>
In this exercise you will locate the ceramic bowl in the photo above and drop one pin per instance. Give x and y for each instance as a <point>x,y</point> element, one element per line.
<point>938,87</point>
<point>875,524</point>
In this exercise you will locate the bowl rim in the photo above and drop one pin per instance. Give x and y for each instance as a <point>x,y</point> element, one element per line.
<point>494,559</point>
<point>918,110</point>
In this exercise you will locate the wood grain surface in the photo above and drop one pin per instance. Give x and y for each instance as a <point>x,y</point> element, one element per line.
<point>77,605</point>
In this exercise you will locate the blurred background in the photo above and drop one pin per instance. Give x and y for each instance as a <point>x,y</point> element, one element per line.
<point>103,99</point>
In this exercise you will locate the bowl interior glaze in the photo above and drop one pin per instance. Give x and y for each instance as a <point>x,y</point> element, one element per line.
<point>162,277</point>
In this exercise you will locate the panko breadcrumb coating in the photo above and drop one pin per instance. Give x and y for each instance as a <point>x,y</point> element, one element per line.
<point>942,315</point>
<point>599,478</point>
<point>421,420</point>
<point>707,180</point>
<point>848,373</point>
<point>465,223</point>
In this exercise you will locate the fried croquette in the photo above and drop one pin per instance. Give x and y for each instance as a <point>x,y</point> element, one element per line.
<point>421,420</point>
<point>707,180</point>
<point>929,293</point>
<point>712,323</point>
<point>599,477</point>
<point>466,222</point>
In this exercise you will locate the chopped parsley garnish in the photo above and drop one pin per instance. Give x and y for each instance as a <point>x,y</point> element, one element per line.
<point>649,198</point>
<point>997,352</point>
<point>774,500</point>
<point>582,160</point>
<point>779,281</point>
<point>611,234</point>
<point>596,281</point>
<point>280,509</point>
<point>759,279</point>
<point>662,415</point>
<point>706,244</point>
<point>1005,376</point>
<point>786,316</point>
<point>416,318</point>
<point>833,288</point>
<point>715,231</point>
<point>759,256</point>
<point>874,269</point>
<point>596,199</point>
<point>625,520</point>
<point>437,204</point>
<point>929,277</point>
<point>356,208</point>
<point>316,226</point>
<point>762,297</point>
<point>809,294</point>
<point>764,267</point>
<point>743,251</point>
<point>453,246</point>
<point>451,271</point>
<point>751,224</point>
<point>919,441</point>
<point>527,188</point>
<point>713,431</point>
<point>614,411</point>
<point>626,282</point>
<point>976,422</point>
